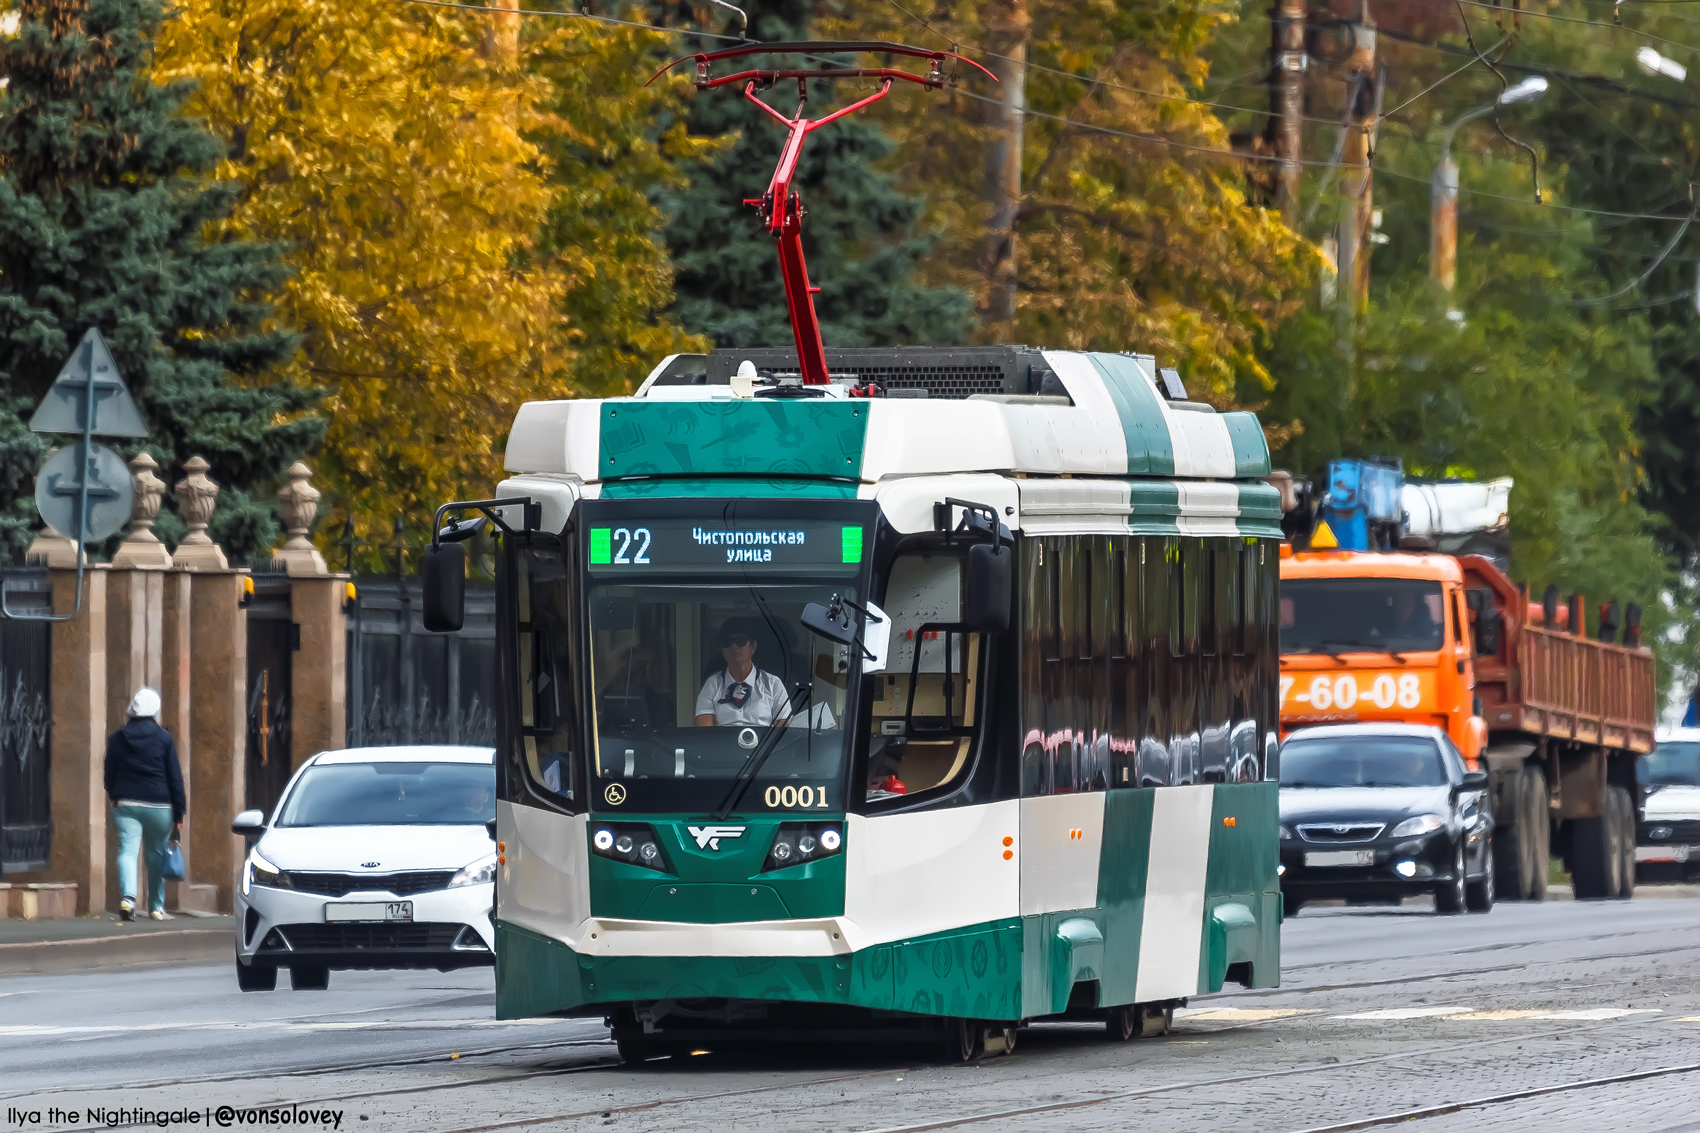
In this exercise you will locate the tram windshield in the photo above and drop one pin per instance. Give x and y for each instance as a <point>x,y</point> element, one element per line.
<point>1337,615</point>
<point>700,669</point>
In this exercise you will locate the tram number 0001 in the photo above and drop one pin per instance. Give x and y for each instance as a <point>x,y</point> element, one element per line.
<point>1342,691</point>
<point>795,798</point>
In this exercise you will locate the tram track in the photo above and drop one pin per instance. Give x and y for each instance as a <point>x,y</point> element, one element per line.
<point>651,1105</point>
<point>1423,1112</point>
<point>1089,1101</point>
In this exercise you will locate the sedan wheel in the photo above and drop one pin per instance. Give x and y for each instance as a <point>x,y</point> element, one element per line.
<point>1449,895</point>
<point>1479,894</point>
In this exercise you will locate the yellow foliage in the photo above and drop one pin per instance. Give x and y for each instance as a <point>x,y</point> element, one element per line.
<point>388,156</point>
<point>465,235</point>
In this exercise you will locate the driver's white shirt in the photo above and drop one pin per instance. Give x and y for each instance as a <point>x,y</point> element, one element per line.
<point>767,701</point>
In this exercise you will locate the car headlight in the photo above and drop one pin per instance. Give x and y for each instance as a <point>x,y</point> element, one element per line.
<point>480,872</point>
<point>262,872</point>
<point>1286,834</point>
<point>1419,824</point>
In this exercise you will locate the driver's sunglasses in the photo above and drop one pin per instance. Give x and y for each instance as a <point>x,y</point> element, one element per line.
<point>736,641</point>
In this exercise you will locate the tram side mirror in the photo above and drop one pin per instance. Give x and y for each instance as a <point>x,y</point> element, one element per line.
<point>986,598</point>
<point>876,639</point>
<point>839,627</point>
<point>444,576</point>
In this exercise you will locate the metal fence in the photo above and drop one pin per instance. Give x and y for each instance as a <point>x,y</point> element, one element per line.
<point>408,686</point>
<point>26,723</point>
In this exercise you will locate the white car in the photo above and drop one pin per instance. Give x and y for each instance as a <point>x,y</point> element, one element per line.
<point>375,857</point>
<point>1667,843</point>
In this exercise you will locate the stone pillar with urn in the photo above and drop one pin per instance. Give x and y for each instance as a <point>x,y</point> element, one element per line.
<point>213,706</point>
<point>318,604</point>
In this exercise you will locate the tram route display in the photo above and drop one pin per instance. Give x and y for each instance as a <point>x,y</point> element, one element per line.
<point>660,546</point>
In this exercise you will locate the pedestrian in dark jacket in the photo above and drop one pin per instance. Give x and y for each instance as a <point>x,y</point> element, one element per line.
<point>145,786</point>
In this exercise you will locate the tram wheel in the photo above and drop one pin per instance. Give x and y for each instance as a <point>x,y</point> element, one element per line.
<point>964,1041</point>
<point>1123,1023</point>
<point>635,1051</point>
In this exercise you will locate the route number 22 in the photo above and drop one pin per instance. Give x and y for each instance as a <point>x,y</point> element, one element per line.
<point>626,556</point>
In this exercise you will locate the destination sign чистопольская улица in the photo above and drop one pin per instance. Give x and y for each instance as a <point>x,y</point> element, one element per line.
<point>663,545</point>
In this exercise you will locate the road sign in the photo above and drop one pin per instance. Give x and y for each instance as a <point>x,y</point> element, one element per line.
<point>115,412</point>
<point>58,491</point>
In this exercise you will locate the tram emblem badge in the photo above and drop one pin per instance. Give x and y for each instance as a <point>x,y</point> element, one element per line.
<point>708,837</point>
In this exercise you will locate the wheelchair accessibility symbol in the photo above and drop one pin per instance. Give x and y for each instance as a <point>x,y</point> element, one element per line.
<point>615,794</point>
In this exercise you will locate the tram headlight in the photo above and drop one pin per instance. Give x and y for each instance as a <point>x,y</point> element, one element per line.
<point>634,843</point>
<point>798,843</point>
<point>480,872</point>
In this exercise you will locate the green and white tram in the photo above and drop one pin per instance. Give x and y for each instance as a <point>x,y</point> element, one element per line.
<point>919,705</point>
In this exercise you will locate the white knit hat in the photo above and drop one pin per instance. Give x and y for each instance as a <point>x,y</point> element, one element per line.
<point>144,703</point>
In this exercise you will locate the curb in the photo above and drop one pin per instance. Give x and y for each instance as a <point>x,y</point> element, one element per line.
<point>154,950</point>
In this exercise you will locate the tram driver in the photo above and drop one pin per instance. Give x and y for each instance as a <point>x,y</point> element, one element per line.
<point>741,694</point>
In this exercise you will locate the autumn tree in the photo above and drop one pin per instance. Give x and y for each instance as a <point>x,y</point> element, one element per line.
<point>104,210</point>
<point>390,156</point>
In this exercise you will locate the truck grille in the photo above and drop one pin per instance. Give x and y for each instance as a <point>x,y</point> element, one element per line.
<point>1337,832</point>
<point>342,884</point>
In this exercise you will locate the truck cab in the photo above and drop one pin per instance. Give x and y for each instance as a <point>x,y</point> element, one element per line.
<point>1371,636</point>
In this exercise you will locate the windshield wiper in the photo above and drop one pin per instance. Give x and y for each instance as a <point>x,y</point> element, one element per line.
<point>752,765</point>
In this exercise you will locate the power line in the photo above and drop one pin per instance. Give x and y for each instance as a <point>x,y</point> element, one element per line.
<point>1031,113</point>
<point>1575,20</point>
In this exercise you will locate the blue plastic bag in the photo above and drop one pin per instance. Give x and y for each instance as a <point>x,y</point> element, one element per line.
<point>173,867</point>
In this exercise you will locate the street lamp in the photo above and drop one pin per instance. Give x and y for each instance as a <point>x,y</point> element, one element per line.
<point>1653,63</point>
<point>1443,210</point>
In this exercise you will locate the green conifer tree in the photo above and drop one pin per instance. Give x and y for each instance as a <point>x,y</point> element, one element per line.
<point>104,211</point>
<point>860,234</point>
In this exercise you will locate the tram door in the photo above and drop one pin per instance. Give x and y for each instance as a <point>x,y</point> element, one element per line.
<point>273,637</point>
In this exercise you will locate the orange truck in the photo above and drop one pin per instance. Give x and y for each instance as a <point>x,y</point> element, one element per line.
<point>1555,717</point>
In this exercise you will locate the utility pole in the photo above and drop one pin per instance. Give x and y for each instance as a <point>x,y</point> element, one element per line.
<point>1008,29</point>
<point>1356,189</point>
<point>1287,80</point>
<point>501,33</point>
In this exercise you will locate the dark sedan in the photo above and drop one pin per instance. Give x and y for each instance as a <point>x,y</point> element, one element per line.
<point>1381,812</point>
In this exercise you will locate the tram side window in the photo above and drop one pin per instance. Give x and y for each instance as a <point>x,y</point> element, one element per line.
<point>924,739</point>
<point>547,719</point>
<point>1157,644</point>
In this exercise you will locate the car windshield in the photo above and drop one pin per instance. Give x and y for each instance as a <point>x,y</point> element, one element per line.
<point>700,661</point>
<point>1361,761</point>
<point>1671,764</point>
<point>1336,615</point>
<point>392,794</point>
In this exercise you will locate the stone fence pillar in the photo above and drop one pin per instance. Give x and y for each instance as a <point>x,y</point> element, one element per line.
<point>318,672</point>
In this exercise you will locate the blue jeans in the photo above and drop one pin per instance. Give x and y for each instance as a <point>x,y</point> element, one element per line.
<point>139,823</point>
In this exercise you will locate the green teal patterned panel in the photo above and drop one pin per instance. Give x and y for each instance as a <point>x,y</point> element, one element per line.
<point>1150,449</point>
<point>1122,868</point>
<point>714,886</point>
<point>1155,505</point>
<point>756,437</point>
<point>1251,450</point>
<point>733,488</point>
<point>973,971</point>
<point>1241,871</point>
<point>534,975</point>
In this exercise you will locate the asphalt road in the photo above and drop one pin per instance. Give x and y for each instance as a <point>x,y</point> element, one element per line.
<point>1555,1017</point>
